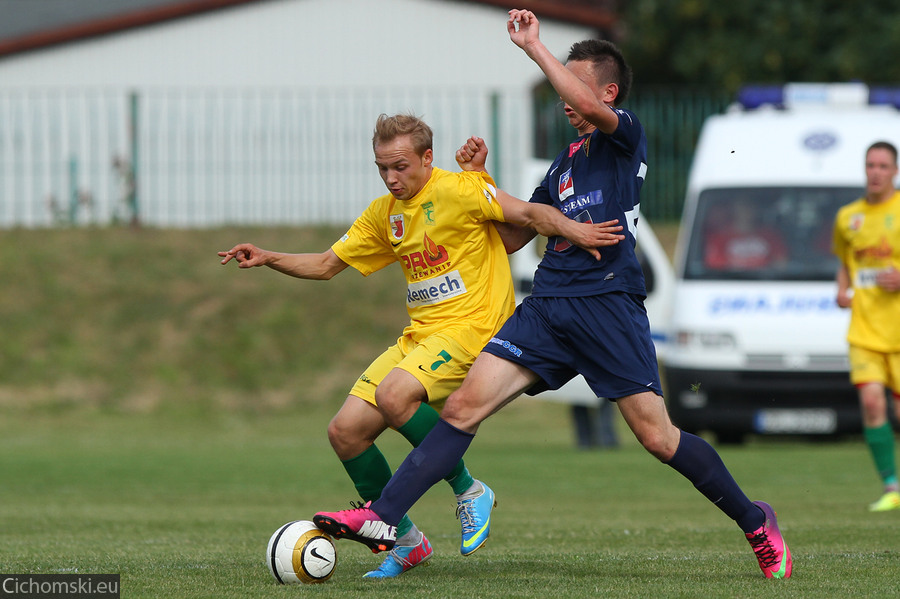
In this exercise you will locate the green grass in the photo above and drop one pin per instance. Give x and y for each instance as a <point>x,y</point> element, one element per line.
<point>135,321</point>
<point>162,415</point>
<point>184,508</point>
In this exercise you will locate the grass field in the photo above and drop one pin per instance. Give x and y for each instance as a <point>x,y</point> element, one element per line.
<point>161,416</point>
<point>184,507</point>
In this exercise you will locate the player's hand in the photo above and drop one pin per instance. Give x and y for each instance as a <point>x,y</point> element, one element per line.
<point>472,155</point>
<point>889,280</point>
<point>844,299</point>
<point>247,255</point>
<point>590,236</point>
<point>523,27</point>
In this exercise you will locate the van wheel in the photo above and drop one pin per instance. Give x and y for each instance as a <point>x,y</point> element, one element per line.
<point>729,438</point>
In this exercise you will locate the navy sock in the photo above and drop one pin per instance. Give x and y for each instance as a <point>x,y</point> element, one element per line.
<point>425,465</point>
<point>697,461</point>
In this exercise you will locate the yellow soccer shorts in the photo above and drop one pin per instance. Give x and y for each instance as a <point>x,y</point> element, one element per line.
<point>867,366</point>
<point>439,362</point>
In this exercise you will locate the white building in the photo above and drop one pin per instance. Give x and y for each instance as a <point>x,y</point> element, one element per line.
<point>255,112</point>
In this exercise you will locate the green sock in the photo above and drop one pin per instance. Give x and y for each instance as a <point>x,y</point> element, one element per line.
<point>415,430</point>
<point>881,444</point>
<point>370,472</point>
<point>404,526</point>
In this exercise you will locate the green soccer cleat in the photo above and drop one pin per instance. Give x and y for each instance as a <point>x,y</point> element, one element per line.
<point>889,501</point>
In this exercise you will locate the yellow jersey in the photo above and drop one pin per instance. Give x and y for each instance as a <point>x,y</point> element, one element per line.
<point>457,273</point>
<point>867,241</point>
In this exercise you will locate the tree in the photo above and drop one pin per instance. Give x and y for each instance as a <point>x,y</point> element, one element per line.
<point>724,45</point>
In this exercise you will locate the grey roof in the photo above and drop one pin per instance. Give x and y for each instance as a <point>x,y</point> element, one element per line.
<point>29,24</point>
<point>24,17</point>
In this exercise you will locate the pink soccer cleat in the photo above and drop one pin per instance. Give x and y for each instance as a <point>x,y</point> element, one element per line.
<point>359,524</point>
<point>769,546</point>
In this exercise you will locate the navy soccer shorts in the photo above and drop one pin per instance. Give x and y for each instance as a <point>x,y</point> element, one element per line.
<point>605,338</point>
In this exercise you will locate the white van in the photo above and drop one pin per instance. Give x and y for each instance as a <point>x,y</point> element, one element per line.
<point>747,328</point>
<point>756,342</point>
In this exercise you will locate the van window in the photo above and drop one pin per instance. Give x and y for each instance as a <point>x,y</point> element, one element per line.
<point>771,233</point>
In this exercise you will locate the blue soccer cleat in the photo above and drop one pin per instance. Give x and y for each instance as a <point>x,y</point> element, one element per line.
<point>401,559</point>
<point>475,518</point>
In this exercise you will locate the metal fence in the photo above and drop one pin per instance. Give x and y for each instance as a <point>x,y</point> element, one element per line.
<point>56,151</point>
<point>200,158</point>
<point>212,157</point>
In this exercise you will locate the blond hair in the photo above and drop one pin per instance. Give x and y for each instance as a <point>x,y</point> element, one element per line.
<point>388,128</point>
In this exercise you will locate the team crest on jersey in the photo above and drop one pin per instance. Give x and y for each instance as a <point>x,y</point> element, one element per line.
<point>397,227</point>
<point>566,186</point>
<point>856,221</point>
<point>428,209</point>
<point>560,244</point>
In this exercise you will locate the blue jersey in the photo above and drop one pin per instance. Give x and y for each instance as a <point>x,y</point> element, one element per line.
<point>596,179</point>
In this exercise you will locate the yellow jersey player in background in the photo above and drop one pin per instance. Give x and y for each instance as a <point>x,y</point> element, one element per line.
<point>439,226</point>
<point>867,242</point>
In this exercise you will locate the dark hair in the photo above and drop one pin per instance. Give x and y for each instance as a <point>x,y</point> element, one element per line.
<point>387,128</point>
<point>609,64</point>
<point>884,145</point>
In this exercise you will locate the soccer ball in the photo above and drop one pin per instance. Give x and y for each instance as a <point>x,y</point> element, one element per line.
<point>300,552</point>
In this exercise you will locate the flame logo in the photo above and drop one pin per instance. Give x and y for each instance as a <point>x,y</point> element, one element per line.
<point>434,253</point>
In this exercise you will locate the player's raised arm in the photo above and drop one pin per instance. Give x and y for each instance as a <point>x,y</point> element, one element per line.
<point>472,156</point>
<point>594,105</point>
<point>303,266</point>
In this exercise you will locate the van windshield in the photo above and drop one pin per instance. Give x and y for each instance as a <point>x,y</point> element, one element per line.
<point>771,233</point>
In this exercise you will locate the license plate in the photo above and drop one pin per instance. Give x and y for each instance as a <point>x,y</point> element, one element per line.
<point>819,421</point>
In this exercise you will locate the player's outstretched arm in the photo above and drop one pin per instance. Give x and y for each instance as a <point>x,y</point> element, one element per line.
<point>514,237</point>
<point>303,266</point>
<point>549,221</point>
<point>524,220</point>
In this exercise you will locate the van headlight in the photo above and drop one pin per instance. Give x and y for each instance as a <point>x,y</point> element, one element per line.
<point>706,340</point>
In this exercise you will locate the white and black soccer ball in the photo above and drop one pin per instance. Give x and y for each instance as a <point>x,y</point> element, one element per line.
<point>300,552</point>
